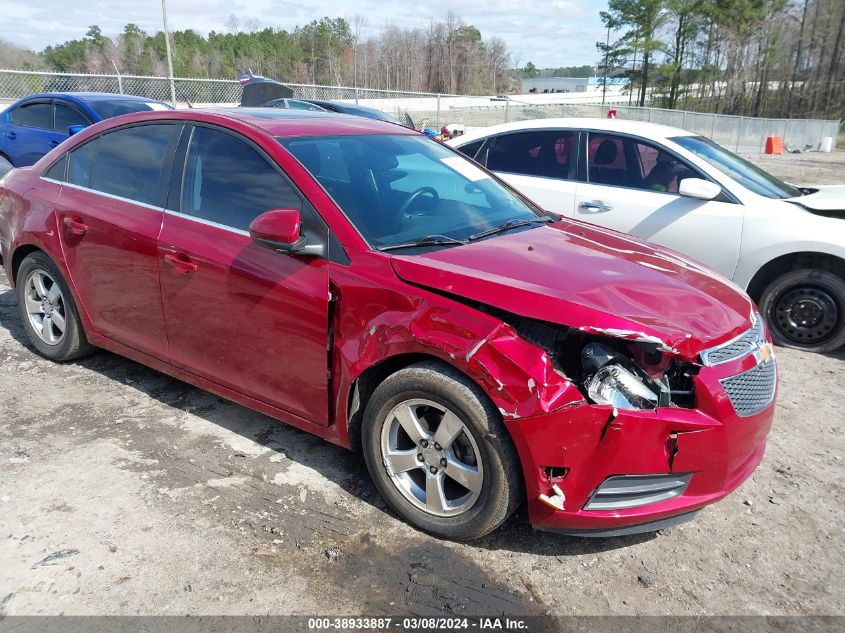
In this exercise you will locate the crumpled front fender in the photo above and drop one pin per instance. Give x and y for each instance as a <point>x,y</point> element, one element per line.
<point>380,325</point>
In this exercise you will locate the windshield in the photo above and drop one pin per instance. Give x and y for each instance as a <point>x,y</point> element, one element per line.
<point>749,176</point>
<point>108,108</point>
<point>398,189</point>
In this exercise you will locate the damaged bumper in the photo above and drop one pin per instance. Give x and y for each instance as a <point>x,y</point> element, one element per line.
<point>590,470</point>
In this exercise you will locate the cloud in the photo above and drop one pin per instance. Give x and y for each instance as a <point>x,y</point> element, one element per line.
<point>547,32</point>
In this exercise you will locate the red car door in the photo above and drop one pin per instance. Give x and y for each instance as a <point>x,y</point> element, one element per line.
<point>238,313</point>
<point>110,212</point>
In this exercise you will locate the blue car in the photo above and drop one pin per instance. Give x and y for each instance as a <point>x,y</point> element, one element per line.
<point>36,124</point>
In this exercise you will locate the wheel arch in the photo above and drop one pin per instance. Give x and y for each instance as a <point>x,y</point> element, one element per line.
<point>792,261</point>
<point>19,254</point>
<point>362,388</point>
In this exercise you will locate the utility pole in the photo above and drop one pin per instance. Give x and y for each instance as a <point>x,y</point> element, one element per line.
<point>169,54</point>
<point>606,56</point>
<point>119,78</point>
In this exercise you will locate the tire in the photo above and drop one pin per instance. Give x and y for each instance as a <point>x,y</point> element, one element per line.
<point>446,404</point>
<point>53,343</point>
<point>805,309</point>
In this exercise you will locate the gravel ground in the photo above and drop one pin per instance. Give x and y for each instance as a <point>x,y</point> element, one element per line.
<point>123,491</point>
<point>805,169</point>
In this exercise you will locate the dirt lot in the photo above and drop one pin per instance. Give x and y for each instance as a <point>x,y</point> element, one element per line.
<point>805,169</point>
<point>123,491</point>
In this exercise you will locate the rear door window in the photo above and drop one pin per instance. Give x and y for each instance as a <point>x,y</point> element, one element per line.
<point>37,115</point>
<point>229,182</point>
<point>130,161</point>
<point>545,153</point>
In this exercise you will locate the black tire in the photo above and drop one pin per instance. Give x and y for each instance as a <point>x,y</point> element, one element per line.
<point>805,309</point>
<point>73,343</point>
<point>502,488</point>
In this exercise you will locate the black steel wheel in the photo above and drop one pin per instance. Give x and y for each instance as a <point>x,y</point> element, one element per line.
<point>805,309</point>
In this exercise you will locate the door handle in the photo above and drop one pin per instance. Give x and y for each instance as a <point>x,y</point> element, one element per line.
<point>180,263</point>
<point>54,143</point>
<point>75,227</point>
<point>11,135</point>
<point>594,206</point>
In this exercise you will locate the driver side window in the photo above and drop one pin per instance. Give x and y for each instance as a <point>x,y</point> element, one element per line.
<point>624,162</point>
<point>229,182</point>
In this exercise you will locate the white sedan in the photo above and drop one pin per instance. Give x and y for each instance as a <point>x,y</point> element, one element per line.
<point>782,244</point>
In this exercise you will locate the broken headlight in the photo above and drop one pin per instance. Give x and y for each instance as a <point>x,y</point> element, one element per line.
<point>611,378</point>
<point>613,384</point>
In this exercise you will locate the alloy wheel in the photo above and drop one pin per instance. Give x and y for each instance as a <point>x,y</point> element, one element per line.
<point>431,457</point>
<point>45,306</point>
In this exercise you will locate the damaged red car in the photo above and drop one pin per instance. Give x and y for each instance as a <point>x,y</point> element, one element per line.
<point>357,280</point>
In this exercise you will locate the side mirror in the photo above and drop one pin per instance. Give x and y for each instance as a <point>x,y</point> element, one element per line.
<point>699,188</point>
<point>281,230</point>
<point>75,129</point>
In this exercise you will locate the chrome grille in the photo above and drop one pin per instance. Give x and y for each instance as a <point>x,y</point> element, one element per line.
<point>752,391</point>
<point>744,344</point>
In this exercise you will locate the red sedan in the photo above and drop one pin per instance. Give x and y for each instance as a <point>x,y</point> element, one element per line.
<point>362,282</point>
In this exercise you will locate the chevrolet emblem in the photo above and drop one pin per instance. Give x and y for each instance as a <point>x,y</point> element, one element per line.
<point>764,353</point>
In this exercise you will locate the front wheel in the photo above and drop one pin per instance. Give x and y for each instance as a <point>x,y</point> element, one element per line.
<point>439,454</point>
<point>805,309</point>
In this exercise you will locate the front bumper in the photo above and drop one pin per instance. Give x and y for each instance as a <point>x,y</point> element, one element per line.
<point>579,447</point>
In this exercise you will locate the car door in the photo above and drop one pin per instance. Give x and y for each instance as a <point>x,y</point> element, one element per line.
<point>538,163</point>
<point>27,132</point>
<point>110,213</point>
<point>632,186</point>
<point>66,115</point>
<point>237,313</point>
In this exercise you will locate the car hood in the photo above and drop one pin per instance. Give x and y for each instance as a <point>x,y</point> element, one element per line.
<point>825,199</point>
<point>593,279</point>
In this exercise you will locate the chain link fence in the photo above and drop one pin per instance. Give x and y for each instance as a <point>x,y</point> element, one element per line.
<point>741,134</point>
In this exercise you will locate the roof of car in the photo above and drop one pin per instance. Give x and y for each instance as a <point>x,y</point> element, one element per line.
<point>92,96</point>
<point>625,126</point>
<point>282,121</point>
<point>290,122</point>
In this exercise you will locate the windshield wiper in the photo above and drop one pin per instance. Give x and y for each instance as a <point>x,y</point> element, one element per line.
<point>511,224</point>
<point>428,240</point>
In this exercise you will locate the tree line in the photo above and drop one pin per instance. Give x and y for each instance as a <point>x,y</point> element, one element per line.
<point>445,56</point>
<point>771,58</point>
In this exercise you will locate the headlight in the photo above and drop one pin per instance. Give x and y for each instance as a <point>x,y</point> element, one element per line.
<point>615,385</point>
<point>611,378</point>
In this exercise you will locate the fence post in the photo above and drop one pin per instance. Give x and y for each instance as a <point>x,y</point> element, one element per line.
<point>739,133</point>
<point>438,113</point>
<point>713,127</point>
<point>684,121</point>
<point>507,110</point>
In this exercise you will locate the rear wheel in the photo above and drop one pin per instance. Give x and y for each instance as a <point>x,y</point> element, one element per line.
<point>438,452</point>
<point>805,309</point>
<point>47,310</point>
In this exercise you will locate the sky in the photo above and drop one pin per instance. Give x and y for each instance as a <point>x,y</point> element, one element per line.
<point>550,33</point>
